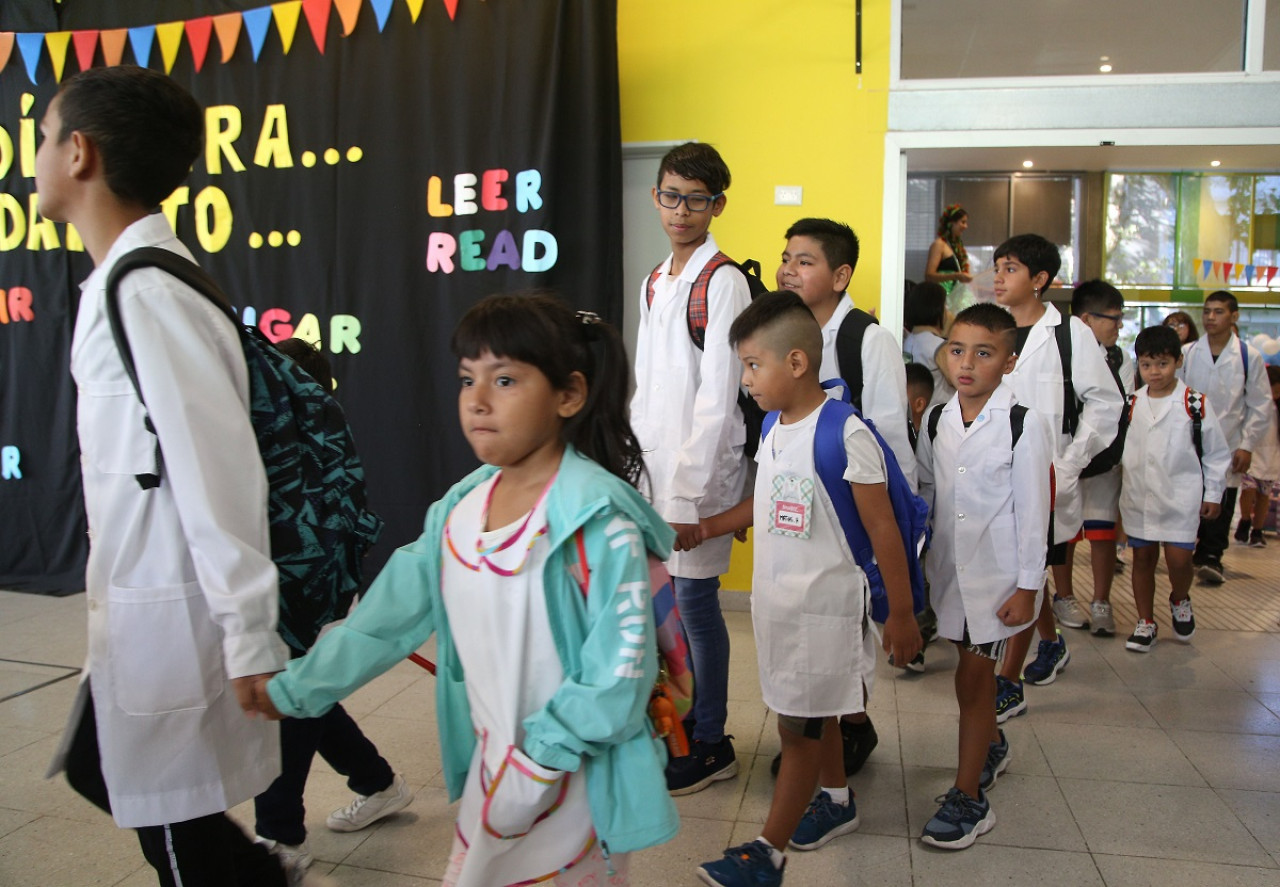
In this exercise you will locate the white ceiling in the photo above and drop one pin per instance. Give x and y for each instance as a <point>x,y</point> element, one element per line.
<point>1132,158</point>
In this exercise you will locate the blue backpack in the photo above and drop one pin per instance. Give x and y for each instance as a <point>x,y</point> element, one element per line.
<point>320,526</point>
<point>910,512</point>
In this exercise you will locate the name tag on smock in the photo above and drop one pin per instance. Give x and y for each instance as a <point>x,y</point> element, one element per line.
<point>792,506</point>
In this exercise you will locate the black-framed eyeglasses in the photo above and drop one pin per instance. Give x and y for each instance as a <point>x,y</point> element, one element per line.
<point>1114,318</point>
<point>696,203</point>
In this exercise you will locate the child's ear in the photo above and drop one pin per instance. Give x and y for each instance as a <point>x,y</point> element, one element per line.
<point>573,397</point>
<point>1010,364</point>
<point>1041,282</point>
<point>843,275</point>
<point>797,362</point>
<point>717,206</point>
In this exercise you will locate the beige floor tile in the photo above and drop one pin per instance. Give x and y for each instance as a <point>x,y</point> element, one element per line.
<point>1222,711</point>
<point>992,864</point>
<point>53,851</point>
<point>1162,821</point>
<point>1260,813</point>
<point>1031,812</point>
<point>1115,754</point>
<point>1233,760</point>
<point>699,841</point>
<point>1254,675</point>
<point>861,858</point>
<point>1134,872</point>
<point>1063,702</point>
<point>351,876</point>
<point>12,820</point>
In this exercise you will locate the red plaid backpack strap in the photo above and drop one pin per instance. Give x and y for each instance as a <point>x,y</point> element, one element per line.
<point>697,316</point>
<point>648,287</point>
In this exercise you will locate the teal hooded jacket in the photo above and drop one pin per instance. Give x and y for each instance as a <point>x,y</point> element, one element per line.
<point>597,719</point>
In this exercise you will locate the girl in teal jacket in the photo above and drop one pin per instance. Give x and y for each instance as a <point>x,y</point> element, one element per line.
<point>542,688</point>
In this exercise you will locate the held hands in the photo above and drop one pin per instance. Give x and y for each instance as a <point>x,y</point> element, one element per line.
<point>688,536</point>
<point>1019,608</point>
<point>1240,461</point>
<point>1210,510</point>
<point>251,693</point>
<point>902,640</point>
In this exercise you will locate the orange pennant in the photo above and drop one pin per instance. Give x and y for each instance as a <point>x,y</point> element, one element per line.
<point>199,31</point>
<point>415,9</point>
<point>169,36</point>
<point>348,11</point>
<point>113,46</point>
<point>317,12</point>
<point>228,27</point>
<point>286,16</point>
<point>451,7</point>
<point>6,47</point>
<point>86,43</point>
<point>58,41</point>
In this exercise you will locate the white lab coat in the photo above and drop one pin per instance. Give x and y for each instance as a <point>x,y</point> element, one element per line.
<point>1240,408</point>
<point>685,409</point>
<point>1163,481</point>
<point>990,508</point>
<point>1036,380</point>
<point>181,589</point>
<point>1266,452</point>
<point>884,384</point>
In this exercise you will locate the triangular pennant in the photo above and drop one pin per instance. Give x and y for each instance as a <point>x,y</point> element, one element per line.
<point>86,43</point>
<point>317,12</point>
<point>1207,267</point>
<point>381,11</point>
<point>1217,269</point>
<point>348,12</point>
<point>113,46</point>
<point>1226,270</point>
<point>1248,274</point>
<point>29,46</point>
<point>286,16</point>
<point>58,41</point>
<point>6,47</point>
<point>415,9</point>
<point>228,27</point>
<point>1271,272</point>
<point>451,7</point>
<point>140,39</point>
<point>199,31</point>
<point>170,36</point>
<point>256,22</point>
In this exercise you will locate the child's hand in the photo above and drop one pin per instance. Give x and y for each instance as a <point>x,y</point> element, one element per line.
<point>688,536</point>
<point>741,535</point>
<point>251,693</point>
<point>902,640</point>
<point>1019,608</point>
<point>1240,461</point>
<point>1210,510</point>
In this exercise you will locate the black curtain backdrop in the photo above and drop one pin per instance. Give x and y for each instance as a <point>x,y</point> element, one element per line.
<point>335,160</point>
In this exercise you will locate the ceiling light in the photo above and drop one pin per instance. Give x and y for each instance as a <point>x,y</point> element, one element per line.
<point>1027,164</point>
<point>1105,69</point>
<point>1215,163</point>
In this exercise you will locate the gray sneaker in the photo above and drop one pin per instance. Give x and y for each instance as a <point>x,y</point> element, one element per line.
<point>1068,612</point>
<point>1101,622</point>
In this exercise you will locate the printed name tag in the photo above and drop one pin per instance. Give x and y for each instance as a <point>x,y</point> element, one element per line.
<point>792,506</point>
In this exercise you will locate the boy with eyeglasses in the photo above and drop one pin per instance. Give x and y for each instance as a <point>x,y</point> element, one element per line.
<point>686,416</point>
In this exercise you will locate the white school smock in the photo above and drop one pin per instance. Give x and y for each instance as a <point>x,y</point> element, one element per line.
<point>685,409</point>
<point>809,599</point>
<point>1266,453</point>
<point>1036,380</point>
<point>922,347</point>
<point>1162,486</point>
<point>1240,407</point>
<point>990,510</point>
<point>1100,494</point>
<point>181,589</point>
<point>512,669</point>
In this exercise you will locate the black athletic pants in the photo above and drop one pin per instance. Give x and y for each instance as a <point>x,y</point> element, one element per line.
<point>1213,533</point>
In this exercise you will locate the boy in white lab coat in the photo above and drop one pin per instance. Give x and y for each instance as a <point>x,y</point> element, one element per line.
<point>809,599</point>
<point>686,416</point>
<point>181,588</point>
<point>985,464</point>
<point>1168,488</point>
<point>1231,375</point>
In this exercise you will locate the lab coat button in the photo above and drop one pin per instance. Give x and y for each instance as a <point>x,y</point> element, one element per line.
<point>960,516</point>
<point>960,469</point>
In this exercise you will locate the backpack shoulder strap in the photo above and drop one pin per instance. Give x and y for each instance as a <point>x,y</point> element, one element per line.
<point>853,329</point>
<point>935,413</point>
<point>1017,419</point>
<point>1244,361</point>
<point>651,283</point>
<point>830,461</point>
<point>1193,402</point>
<point>1070,406</point>
<point>696,315</point>
<point>766,425</point>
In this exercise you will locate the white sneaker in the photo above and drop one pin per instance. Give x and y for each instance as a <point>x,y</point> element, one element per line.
<point>295,858</point>
<point>364,810</point>
<point>1101,622</point>
<point>1068,612</point>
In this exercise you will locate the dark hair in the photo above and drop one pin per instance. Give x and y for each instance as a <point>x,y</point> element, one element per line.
<point>918,374</point>
<point>698,161</point>
<point>539,329</point>
<point>764,311</point>
<point>147,129</point>
<point>952,214</point>
<point>1193,332</point>
<point>1033,251</point>
<point>987,315</point>
<point>839,243</point>
<point>310,358</point>
<point>1273,374</point>
<point>1223,296</point>
<point>1158,341</point>
<point>925,304</point>
<point>1094,296</point>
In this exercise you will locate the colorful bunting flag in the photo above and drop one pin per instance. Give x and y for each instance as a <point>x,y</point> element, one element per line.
<point>29,46</point>
<point>199,31</point>
<point>1271,272</point>
<point>58,41</point>
<point>348,11</point>
<point>228,28</point>
<point>451,7</point>
<point>256,22</point>
<point>286,16</point>
<point>317,12</point>
<point>1226,270</point>
<point>170,36</point>
<point>415,9</point>
<point>1207,265</point>
<point>6,47</point>
<point>113,46</point>
<point>86,43</point>
<point>1217,269</point>
<point>140,40</point>
<point>1248,275</point>
<point>381,11</point>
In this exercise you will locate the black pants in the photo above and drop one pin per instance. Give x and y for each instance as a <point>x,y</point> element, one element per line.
<point>279,810</point>
<point>1213,539</point>
<point>211,851</point>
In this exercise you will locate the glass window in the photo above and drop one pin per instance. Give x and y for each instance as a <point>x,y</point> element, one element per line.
<point>978,38</point>
<point>1140,228</point>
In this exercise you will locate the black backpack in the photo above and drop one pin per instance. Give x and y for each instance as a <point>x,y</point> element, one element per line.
<point>696,318</point>
<point>320,525</point>
<point>853,329</point>
<point>1110,457</point>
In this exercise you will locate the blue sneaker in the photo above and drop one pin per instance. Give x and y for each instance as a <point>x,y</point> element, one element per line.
<point>997,762</point>
<point>1009,699</point>
<point>959,821</point>
<point>746,866</point>
<point>1051,658</point>
<point>824,820</point>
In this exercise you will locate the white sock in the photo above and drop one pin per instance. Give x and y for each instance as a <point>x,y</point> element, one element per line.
<point>775,855</point>
<point>839,795</point>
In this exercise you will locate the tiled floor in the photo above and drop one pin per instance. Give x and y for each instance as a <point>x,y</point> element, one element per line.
<point>1130,770</point>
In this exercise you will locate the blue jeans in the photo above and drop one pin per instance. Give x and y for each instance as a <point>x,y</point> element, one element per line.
<point>699,602</point>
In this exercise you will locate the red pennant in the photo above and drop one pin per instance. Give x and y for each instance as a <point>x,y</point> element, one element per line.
<point>199,30</point>
<point>86,43</point>
<point>451,7</point>
<point>317,13</point>
<point>1226,270</point>
<point>1271,272</point>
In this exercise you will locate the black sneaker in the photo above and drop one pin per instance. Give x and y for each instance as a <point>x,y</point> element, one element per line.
<point>1184,620</point>
<point>997,762</point>
<point>1256,539</point>
<point>858,741</point>
<point>1242,532</point>
<point>1210,572</point>
<point>707,762</point>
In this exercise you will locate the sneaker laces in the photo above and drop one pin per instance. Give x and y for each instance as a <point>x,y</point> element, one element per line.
<point>1045,654</point>
<point>1145,629</point>
<point>1182,610</point>
<point>350,811</point>
<point>743,855</point>
<point>954,803</point>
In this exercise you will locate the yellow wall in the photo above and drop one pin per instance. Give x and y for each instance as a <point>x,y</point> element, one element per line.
<point>773,86</point>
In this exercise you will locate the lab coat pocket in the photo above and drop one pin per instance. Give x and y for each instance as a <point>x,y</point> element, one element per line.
<point>1003,536</point>
<point>826,642</point>
<point>119,442</point>
<point>522,794</point>
<point>175,616</point>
